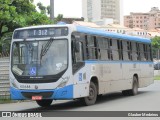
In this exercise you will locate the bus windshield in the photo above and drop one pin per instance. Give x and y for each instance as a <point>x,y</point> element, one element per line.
<point>39,58</point>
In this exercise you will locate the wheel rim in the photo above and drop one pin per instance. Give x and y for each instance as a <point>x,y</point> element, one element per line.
<point>135,87</point>
<point>91,94</point>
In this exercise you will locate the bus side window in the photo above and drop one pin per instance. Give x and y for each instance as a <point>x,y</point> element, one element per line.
<point>120,49</point>
<point>110,56</point>
<point>91,47</point>
<point>115,53</point>
<point>87,50</point>
<point>138,51</point>
<point>145,52</point>
<point>73,49</point>
<point>96,48</point>
<point>149,52</point>
<point>141,47</point>
<point>125,50</point>
<point>129,50</point>
<point>102,48</point>
<point>134,52</point>
<point>77,50</point>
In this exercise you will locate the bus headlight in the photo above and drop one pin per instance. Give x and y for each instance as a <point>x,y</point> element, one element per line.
<point>63,82</point>
<point>13,83</point>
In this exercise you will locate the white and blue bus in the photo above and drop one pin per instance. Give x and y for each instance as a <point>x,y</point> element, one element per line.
<point>63,62</point>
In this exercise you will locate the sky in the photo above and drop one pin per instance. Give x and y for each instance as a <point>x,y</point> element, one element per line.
<point>73,8</point>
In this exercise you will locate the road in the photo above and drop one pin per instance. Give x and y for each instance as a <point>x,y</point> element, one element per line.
<point>148,99</point>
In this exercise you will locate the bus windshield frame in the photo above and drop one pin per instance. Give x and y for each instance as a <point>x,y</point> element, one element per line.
<point>42,52</point>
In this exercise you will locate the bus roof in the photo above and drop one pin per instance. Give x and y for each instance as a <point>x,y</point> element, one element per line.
<point>95,31</point>
<point>111,35</point>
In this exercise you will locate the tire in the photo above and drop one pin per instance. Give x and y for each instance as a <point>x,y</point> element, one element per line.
<point>91,99</point>
<point>134,90</point>
<point>44,103</point>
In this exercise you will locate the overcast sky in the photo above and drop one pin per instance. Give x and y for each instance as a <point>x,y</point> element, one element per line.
<point>73,8</point>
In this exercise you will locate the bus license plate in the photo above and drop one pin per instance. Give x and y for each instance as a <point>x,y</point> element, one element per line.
<point>36,97</point>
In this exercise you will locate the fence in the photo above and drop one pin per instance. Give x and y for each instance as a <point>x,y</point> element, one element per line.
<point>4,54</point>
<point>4,77</point>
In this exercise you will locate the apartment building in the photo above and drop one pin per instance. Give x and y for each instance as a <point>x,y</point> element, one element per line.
<point>147,21</point>
<point>93,10</point>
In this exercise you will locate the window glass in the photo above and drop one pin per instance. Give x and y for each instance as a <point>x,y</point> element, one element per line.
<point>115,50</point>
<point>102,48</point>
<point>110,47</point>
<point>125,50</point>
<point>120,49</point>
<point>142,57</point>
<point>134,52</point>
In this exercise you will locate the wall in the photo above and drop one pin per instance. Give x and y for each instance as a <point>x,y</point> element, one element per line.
<point>4,78</point>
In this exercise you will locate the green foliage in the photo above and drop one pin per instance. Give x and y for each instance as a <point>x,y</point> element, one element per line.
<point>19,13</point>
<point>41,7</point>
<point>58,18</point>
<point>156,42</point>
<point>44,9</point>
<point>156,77</point>
<point>48,9</point>
<point>155,45</point>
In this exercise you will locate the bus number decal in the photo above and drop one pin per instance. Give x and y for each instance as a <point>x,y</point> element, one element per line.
<point>80,76</point>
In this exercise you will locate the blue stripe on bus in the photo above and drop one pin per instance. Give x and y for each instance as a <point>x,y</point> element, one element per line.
<point>94,31</point>
<point>59,93</point>
<point>126,62</point>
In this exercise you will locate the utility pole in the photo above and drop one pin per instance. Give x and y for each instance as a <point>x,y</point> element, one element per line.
<point>52,9</point>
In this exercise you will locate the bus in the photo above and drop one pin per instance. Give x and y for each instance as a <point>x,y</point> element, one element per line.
<point>65,62</point>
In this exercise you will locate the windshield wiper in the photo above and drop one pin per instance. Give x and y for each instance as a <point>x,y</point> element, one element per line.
<point>45,48</point>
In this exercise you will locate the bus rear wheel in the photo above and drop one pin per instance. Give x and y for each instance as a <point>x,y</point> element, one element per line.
<point>91,99</point>
<point>44,103</point>
<point>134,90</point>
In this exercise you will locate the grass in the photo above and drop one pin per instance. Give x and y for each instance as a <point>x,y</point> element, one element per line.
<point>156,77</point>
<point>6,99</point>
<point>3,101</point>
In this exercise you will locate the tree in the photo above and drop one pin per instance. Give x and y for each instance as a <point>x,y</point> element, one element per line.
<point>42,8</point>
<point>155,45</point>
<point>58,18</point>
<point>156,42</point>
<point>48,9</point>
<point>18,13</point>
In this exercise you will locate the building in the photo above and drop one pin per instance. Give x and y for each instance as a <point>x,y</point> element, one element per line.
<point>116,28</point>
<point>146,21</point>
<point>95,10</point>
<point>86,24</point>
<point>71,20</point>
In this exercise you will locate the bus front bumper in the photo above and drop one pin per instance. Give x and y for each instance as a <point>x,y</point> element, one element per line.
<point>56,94</point>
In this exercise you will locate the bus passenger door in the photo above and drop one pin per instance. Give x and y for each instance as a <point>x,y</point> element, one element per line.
<point>81,86</point>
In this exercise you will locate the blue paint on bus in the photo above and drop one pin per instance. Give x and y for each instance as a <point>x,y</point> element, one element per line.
<point>93,31</point>
<point>59,93</point>
<point>125,62</point>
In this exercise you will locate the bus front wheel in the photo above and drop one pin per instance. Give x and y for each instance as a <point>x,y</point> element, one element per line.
<point>91,99</point>
<point>44,103</point>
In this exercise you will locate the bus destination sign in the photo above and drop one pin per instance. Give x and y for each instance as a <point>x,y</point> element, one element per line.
<point>40,33</point>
